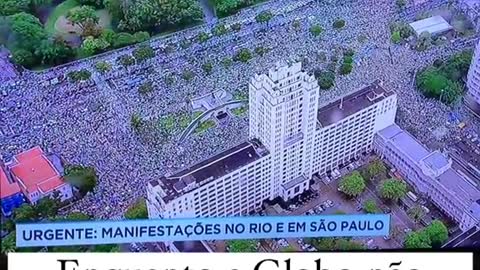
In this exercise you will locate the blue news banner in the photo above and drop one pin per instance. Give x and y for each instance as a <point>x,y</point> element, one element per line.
<point>153,230</point>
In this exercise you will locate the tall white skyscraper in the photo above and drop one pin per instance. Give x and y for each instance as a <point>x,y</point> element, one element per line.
<point>290,139</point>
<point>472,98</point>
<point>283,115</point>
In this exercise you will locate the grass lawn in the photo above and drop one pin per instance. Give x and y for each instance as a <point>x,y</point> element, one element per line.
<point>59,10</point>
<point>240,95</point>
<point>239,111</point>
<point>204,126</point>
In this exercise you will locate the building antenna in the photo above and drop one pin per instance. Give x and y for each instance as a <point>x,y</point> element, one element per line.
<point>341,103</point>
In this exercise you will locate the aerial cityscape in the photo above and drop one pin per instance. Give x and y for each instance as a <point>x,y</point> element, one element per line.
<point>222,108</point>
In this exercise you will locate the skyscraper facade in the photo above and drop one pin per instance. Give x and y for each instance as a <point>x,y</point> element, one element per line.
<point>472,98</point>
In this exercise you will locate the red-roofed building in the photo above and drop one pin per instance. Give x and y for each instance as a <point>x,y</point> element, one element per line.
<point>38,175</point>
<point>11,196</point>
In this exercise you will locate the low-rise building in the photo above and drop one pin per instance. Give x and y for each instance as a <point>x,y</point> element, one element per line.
<point>431,174</point>
<point>11,196</point>
<point>39,175</point>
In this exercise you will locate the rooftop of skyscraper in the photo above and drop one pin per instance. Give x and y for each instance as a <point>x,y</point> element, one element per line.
<point>211,168</point>
<point>352,103</point>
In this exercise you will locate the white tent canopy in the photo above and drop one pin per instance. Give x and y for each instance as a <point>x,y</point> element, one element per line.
<point>434,25</point>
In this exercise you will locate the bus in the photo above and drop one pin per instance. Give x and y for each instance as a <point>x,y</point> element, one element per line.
<point>412,196</point>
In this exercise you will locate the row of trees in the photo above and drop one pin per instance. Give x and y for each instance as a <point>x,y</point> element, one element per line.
<point>433,235</point>
<point>225,8</point>
<point>29,42</point>
<point>355,184</point>
<point>443,80</point>
<point>153,15</point>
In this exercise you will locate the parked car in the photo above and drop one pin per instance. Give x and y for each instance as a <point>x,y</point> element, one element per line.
<point>387,210</point>
<point>329,203</point>
<point>387,237</point>
<point>407,230</point>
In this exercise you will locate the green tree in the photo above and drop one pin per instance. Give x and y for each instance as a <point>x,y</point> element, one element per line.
<point>8,244</point>
<point>326,79</point>
<point>346,244</point>
<point>244,55</point>
<point>376,169</point>
<point>27,31</point>
<point>242,245</point>
<point>417,240</point>
<point>11,7</point>
<point>141,36</point>
<point>126,60</point>
<point>108,35</point>
<point>103,66</point>
<point>226,7</point>
<point>137,211</point>
<point>352,184</point>
<point>54,52</point>
<point>396,38</point>
<point>188,75</point>
<point>47,207</point>
<point>437,233</point>
<point>146,87</point>
<point>106,248</point>
<point>264,16</point>
<point>227,62</point>
<point>393,189</point>
<point>35,4</point>
<point>416,213</point>
<point>24,58</point>
<point>339,23</point>
<point>346,68</point>
<point>25,213</point>
<point>316,30</point>
<point>165,14</point>
<point>322,243</point>
<point>79,75</point>
<point>83,15</point>
<point>91,29</point>
<point>143,52</point>
<point>82,177</point>
<point>202,37</point>
<point>370,206</point>
<point>136,121</point>
<point>123,39</point>
<point>8,225</point>
<point>219,30</point>
<point>114,8</point>
<point>207,67</point>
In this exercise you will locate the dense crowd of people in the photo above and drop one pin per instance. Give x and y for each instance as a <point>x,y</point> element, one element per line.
<point>89,122</point>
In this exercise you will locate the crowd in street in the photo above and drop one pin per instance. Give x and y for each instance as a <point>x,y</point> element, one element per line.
<point>89,122</point>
